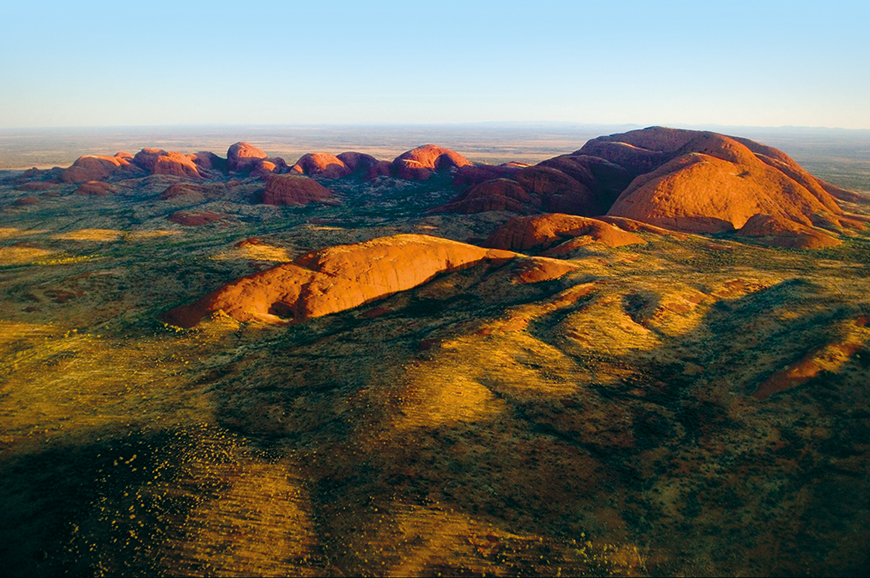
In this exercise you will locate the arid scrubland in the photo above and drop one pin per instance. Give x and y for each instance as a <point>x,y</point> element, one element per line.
<point>583,402</point>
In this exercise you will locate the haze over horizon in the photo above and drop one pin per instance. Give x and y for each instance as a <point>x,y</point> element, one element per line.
<point>674,64</point>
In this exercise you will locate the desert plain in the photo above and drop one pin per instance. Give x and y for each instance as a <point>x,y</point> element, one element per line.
<point>641,354</point>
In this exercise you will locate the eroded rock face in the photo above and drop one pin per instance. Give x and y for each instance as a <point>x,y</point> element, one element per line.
<point>785,233</point>
<point>336,279</point>
<point>322,164</point>
<point>422,162</point>
<point>242,156</point>
<point>539,233</point>
<point>294,190</point>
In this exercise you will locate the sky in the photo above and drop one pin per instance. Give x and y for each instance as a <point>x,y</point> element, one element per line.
<point>794,63</point>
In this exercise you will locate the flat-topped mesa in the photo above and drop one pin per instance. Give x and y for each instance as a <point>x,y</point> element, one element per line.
<point>335,279</point>
<point>424,161</point>
<point>542,232</point>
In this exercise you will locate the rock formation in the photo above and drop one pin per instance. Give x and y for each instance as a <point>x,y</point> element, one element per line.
<point>209,161</point>
<point>322,164</point>
<point>424,161</point>
<point>96,168</point>
<point>96,188</point>
<point>365,165</point>
<point>470,175</point>
<point>683,180</point>
<point>494,195</point>
<point>557,191</point>
<point>785,233</point>
<point>176,164</point>
<point>294,190</point>
<point>539,233</point>
<point>159,162</point>
<point>242,156</point>
<point>335,279</point>
<point>706,182</point>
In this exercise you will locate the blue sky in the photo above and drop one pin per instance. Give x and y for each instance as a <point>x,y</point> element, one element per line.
<point>672,63</point>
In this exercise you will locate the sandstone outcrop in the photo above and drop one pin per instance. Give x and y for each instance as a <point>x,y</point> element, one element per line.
<point>494,195</point>
<point>176,164</point>
<point>366,165</point>
<point>146,161</point>
<point>96,188</point>
<point>538,269</point>
<point>159,162</point>
<point>605,180</point>
<point>539,233</point>
<point>25,201</point>
<point>531,190</point>
<point>424,161</point>
<point>785,233</point>
<point>706,182</point>
<point>209,161</point>
<point>322,164</point>
<point>242,156</point>
<point>295,190</point>
<point>470,175</point>
<point>96,168</point>
<point>269,166</point>
<point>189,191</point>
<point>559,193</point>
<point>335,279</point>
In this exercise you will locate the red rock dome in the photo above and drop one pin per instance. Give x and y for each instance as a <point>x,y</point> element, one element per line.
<point>542,232</point>
<point>422,162</point>
<point>335,279</point>
<point>323,164</point>
<point>294,190</point>
<point>242,156</point>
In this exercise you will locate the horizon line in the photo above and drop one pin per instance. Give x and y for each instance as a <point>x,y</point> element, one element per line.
<point>464,124</point>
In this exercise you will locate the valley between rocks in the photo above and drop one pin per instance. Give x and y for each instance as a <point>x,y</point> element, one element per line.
<point>695,404</point>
